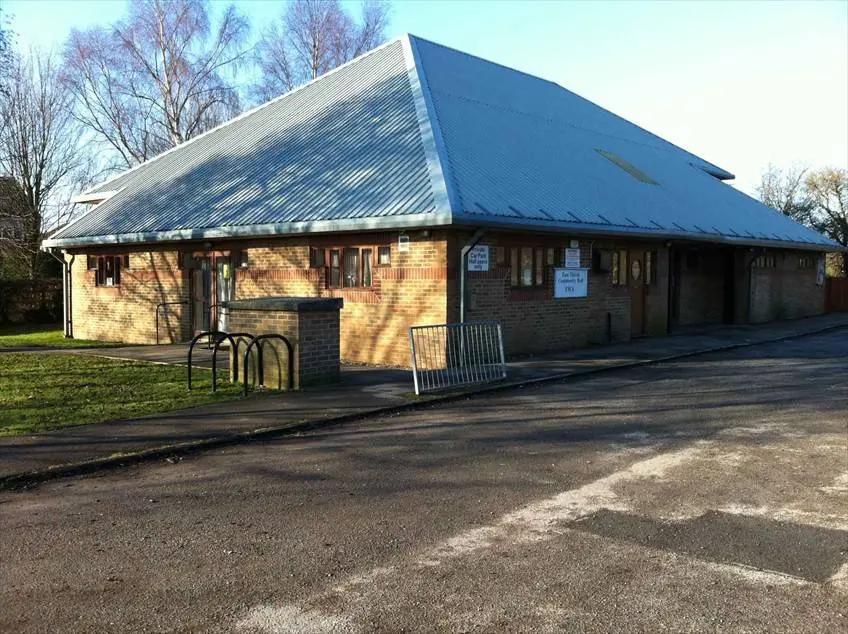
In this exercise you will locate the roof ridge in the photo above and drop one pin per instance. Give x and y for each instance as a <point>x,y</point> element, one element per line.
<point>445,192</point>
<point>247,113</point>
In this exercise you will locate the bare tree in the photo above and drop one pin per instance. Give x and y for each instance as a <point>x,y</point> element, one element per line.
<point>783,189</point>
<point>6,51</point>
<point>313,37</point>
<point>41,156</point>
<point>157,78</point>
<point>828,189</point>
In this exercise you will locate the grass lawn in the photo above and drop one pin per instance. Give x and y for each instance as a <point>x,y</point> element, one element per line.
<point>41,336</point>
<point>42,391</point>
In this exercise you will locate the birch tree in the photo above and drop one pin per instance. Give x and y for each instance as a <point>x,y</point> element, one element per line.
<point>311,38</point>
<point>157,78</point>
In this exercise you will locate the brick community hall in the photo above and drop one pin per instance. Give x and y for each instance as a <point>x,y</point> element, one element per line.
<point>374,182</point>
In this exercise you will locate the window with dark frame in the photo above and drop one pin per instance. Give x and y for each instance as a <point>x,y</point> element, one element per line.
<point>619,268</point>
<point>806,262</point>
<point>650,268</point>
<point>108,270</point>
<point>366,266</point>
<point>384,256</point>
<point>317,258</point>
<point>335,268</point>
<point>351,267</point>
<point>528,266</point>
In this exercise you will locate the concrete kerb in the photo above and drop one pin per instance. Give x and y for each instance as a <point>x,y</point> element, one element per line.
<point>17,481</point>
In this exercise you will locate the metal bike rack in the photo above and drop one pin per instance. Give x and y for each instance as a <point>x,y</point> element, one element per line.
<point>259,378</point>
<point>206,333</point>
<point>234,338</point>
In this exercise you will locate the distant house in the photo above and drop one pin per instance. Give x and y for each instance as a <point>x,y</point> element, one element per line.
<point>371,182</point>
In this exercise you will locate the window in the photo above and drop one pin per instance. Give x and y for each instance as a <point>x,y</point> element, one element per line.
<point>366,266</point>
<point>92,263</point>
<point>527,266</point>
<point>384,256</point>
<point>619,268</point>
<point>351,267</point>
<point>109,270</point>
<point>650,268</point>
<point>765,261</point>
<point>317,258</point>
<point>335,268</point>
<point>602,261</point>
<point>806,262</point>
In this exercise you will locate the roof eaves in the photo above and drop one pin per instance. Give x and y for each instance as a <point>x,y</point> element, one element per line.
<point>438,163</point>
<point>583,228</point>
<point>376,223</point>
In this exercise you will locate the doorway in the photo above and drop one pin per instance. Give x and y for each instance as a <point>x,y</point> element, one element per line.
<point>675,265</point>
<point>212,284</point>
<point>636,277</point>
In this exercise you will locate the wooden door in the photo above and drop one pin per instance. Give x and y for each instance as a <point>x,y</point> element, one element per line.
<point>636,277</point>
<point>201,293</point>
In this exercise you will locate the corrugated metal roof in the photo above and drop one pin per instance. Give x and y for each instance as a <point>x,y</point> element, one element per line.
<point>417,134</point>
<point>529,151</point>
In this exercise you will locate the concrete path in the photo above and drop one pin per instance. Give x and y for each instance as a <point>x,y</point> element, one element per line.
<point>701,495</point>
<point>362,390</point>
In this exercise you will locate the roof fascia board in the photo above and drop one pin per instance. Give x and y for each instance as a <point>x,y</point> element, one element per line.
<point>435,152</point>
<point>244,115</point>
<point>52,237</point>
<point>258,231</point>
<point>513,224</point>
<point>97,197</point>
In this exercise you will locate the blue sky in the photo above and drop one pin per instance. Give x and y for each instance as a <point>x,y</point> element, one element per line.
<point>742,84</point>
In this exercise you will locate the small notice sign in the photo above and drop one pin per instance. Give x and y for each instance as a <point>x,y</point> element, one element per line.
<point>571,283</point>
<point>478,258</point>
<point>572,259</point>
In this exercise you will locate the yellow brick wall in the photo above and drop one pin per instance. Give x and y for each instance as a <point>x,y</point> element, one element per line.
<point>127,312</point>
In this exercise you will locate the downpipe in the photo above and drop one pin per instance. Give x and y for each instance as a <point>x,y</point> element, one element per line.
<point>67,321</point>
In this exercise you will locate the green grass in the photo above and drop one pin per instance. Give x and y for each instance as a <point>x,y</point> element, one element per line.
<point>28,336</point>
<point>43,391</point>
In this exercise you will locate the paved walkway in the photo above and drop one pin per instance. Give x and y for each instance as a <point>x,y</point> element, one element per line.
<point>361,390</point>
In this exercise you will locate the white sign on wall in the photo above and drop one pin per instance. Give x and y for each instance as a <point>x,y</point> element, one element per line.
<point>478,258</point>
<point>403,243</point>
<point>572,259</point>
<point>571,283</point>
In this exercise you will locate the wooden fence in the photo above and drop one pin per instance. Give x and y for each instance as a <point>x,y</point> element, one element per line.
<point>837,294</point>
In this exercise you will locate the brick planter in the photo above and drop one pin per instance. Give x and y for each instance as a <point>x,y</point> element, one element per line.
<point>310,324</point>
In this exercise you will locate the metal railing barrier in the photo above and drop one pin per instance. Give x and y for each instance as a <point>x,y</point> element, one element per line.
<point>259,366</point>
<point>446,356</point>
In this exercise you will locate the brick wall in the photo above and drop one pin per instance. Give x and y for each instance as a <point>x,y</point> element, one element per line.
<point>536,322</point>
<point>314,336</point>
<point>374,321</point>
<point>785,291</point>
<point>702,279</point>
<point>128,312</point>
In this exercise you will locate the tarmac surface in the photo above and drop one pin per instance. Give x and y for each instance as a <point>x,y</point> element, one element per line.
<point>361,390</point>
<point>706,494</point>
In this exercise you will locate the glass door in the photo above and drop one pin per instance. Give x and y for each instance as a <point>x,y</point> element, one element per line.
<point>201,293</point>
<point>225,286</point>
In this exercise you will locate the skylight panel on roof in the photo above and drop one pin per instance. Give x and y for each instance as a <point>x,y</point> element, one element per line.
<point>628,167</point>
